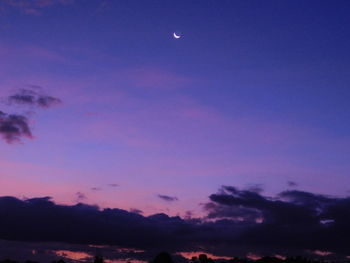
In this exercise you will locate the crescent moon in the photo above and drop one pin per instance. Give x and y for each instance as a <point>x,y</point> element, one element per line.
<point>176,36</point>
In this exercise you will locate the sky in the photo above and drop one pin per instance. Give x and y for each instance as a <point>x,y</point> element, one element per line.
<point>101,106</point>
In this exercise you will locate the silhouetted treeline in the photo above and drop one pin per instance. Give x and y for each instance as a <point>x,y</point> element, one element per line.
<point>165,257</point>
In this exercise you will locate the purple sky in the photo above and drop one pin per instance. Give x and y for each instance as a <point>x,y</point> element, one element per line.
<point>253,94</point>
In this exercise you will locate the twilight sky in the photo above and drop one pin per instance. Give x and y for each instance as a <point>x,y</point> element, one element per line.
<point>101,105</point>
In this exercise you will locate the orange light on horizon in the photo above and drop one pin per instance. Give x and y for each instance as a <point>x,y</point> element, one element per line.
<point>74,255</point>
<point>191,254</point>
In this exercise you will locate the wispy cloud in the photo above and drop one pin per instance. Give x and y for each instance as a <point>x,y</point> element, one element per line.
<point>32,7</point>
<point>34,98</point>
<point>155,78</point>
<point>168,198</point>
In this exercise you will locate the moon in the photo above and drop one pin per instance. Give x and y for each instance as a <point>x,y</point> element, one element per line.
<point>176,36</point>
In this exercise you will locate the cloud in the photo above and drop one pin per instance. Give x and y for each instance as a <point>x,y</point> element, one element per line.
<point>292,184</point>
<point>293,220</point>
<point>238,223</point>
<point>258,188</point>
<point>40,219</point>
<point>113,185</point>
<point>155,78</point>
<point>13,127</point>
<point>33,98</point>
<point>136,211</point>
<point>168,198</point>
<point>32,7</point>
<point>80,196</point>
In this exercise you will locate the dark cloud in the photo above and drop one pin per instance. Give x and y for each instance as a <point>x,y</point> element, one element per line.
<point>96,189</point>
<point>292,184</point>
<point>14,127</point>
<point>136,211</point>
<point>258,188</point>
<point>40,219</point>
<point>238,222</point>
<point>33,97</point>
<point>292,221</point>
<point>80,196</point>
<point>188,214</point>
<point>168,198</point>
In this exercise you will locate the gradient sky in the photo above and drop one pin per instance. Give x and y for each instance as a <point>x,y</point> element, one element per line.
<point>254,94</point>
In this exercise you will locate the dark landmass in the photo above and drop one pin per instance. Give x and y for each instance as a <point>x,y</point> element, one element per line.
<point>165,257</point>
